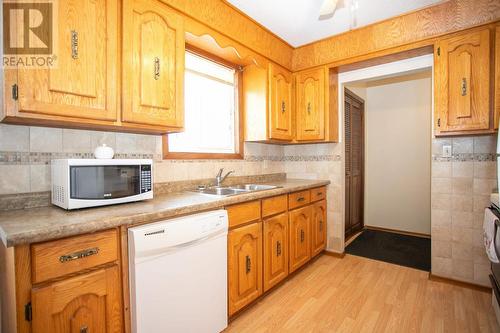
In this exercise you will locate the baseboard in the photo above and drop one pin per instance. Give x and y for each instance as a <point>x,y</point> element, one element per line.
<point>334,254</point>
<point>408,233</point>
<point>470,285</point>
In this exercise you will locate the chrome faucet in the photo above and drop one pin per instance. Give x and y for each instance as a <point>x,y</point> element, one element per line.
<point>219,178</point>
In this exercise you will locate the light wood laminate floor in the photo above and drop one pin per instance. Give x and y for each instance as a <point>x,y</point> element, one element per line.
<point>355,294</point>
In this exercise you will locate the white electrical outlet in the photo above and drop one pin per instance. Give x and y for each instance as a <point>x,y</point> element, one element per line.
<point>447,151</point>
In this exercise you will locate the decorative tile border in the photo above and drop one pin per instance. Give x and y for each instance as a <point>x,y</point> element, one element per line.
<point>19,158</point>
<point>466,157</point>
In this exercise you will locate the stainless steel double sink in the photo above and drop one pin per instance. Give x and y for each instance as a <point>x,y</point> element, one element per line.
<point>233,190</point>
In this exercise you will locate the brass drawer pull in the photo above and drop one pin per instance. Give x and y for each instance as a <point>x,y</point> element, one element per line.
<point>319,193</point>
<point>84,329</point>
<point>302,236</point>
<point>283,107</point>
<point>156,62</point>
<point>301,199</point>
<point>74,44</point>
<point>79,255</point>
<point>248,264</point>
<point>278,248</point>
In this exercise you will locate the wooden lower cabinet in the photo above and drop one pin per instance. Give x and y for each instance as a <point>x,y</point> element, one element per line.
<point>89,303</point>
<point>275,250</point>
<point>300,238</point>
<point>318,227</point>
<point>244,265</point>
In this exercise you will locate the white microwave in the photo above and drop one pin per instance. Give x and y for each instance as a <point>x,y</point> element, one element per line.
<point>81,183</point>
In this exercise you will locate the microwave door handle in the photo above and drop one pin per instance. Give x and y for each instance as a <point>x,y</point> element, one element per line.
<point>497,224</point>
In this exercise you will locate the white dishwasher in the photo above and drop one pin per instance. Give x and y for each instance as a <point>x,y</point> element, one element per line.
<point>178,274</point>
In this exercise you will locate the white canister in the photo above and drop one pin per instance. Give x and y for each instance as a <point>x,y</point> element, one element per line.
<point>104,152</point>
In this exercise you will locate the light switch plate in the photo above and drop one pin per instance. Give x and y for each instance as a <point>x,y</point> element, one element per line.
<point>447,151</point>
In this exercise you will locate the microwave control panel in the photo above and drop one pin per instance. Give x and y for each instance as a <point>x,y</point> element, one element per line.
<point>146,182</point>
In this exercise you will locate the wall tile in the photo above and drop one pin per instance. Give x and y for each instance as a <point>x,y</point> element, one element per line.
<point>441,185</point>
<point>441,233</point>
<point>14,179</point>
<point>14,138</point>
<point>437,145</point>
<point>462,235</point>
<point>100,138</point>
<point>461,203</point>
<point>479,255</point>
<point>484,186</point>
<point>480,202</point>
<point>463,169</point>
<point>76,141</point>
<point>461,251</point>
<point>441,249</point>
<point>442,266</point>
<point>440,217</point>
<point>481,273</point>
<point>485,144</point>
<point>463,145</point>
<point>40,178</point>
<point>463,269</point>
<point>462,185</point>
<point>441,169</point>
<point>462,219</point>
<point>44,139</point>
<point>441,201</point>
<point>485,169</point>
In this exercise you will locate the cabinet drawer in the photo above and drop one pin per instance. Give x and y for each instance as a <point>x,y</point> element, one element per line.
<point>299,199</point>
<point>243,213</point>
<point>318,193</point>
<point>65,256</point>
<point>274,205</point>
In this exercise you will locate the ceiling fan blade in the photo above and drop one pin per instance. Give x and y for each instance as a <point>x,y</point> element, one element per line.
<point>327,9</point>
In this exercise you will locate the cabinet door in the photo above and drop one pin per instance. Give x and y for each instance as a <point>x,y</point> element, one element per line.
<point>311,105</point>
<point>318,227</point>
<point>497,77</point>
<point>245,266</point>
<point>275,250</point>
<point>153,64</point>
<point>280,104</point>
<point>83,304</point>
<point>83,82</point>
<point>300,238</point>
<point>462,82</point>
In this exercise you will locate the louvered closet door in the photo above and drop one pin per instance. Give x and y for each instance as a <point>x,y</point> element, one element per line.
<point>354,159</point>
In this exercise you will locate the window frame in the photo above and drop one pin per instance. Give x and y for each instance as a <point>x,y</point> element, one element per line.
<point>239,142</point>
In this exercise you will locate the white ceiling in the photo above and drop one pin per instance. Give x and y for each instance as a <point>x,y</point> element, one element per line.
<point>296,21</point>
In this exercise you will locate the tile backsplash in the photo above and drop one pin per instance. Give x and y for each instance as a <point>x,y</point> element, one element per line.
<point>461,187</point>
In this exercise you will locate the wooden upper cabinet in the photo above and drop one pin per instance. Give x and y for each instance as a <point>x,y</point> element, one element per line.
<point>275,250</point>
<point>268,103</point>
<point>86,303</point>
<point>153,64</point>
<point>497,76</point>
<point>83,84</point>
<point>318,227</point>
<point>300,238</point>
<point>310,92</point>
<point>244,265</point>
<point>281,103</point>
<point>462,83</point>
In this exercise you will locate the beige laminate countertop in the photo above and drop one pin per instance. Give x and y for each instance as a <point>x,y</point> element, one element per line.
<point>25,226</point>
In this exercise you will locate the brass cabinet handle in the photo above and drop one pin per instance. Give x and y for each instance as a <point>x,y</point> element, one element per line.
<point>301,199</point>
<point>319,193</point>
<point>302,235</point>
<point>278,248</point>
<point>79,255</point>
<point>309,107</point>
<point>464,86</point>
<point>320,225</point>
<point>74,44</point>
<point>84,329</point>
<point>156,68</point>
<point>283,106</point>
<point>248,264</point>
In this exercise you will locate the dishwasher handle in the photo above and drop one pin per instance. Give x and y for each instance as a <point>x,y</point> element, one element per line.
<point>153,253</point>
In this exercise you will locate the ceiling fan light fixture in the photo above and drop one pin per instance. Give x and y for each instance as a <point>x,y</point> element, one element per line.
<point>327,9</point>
